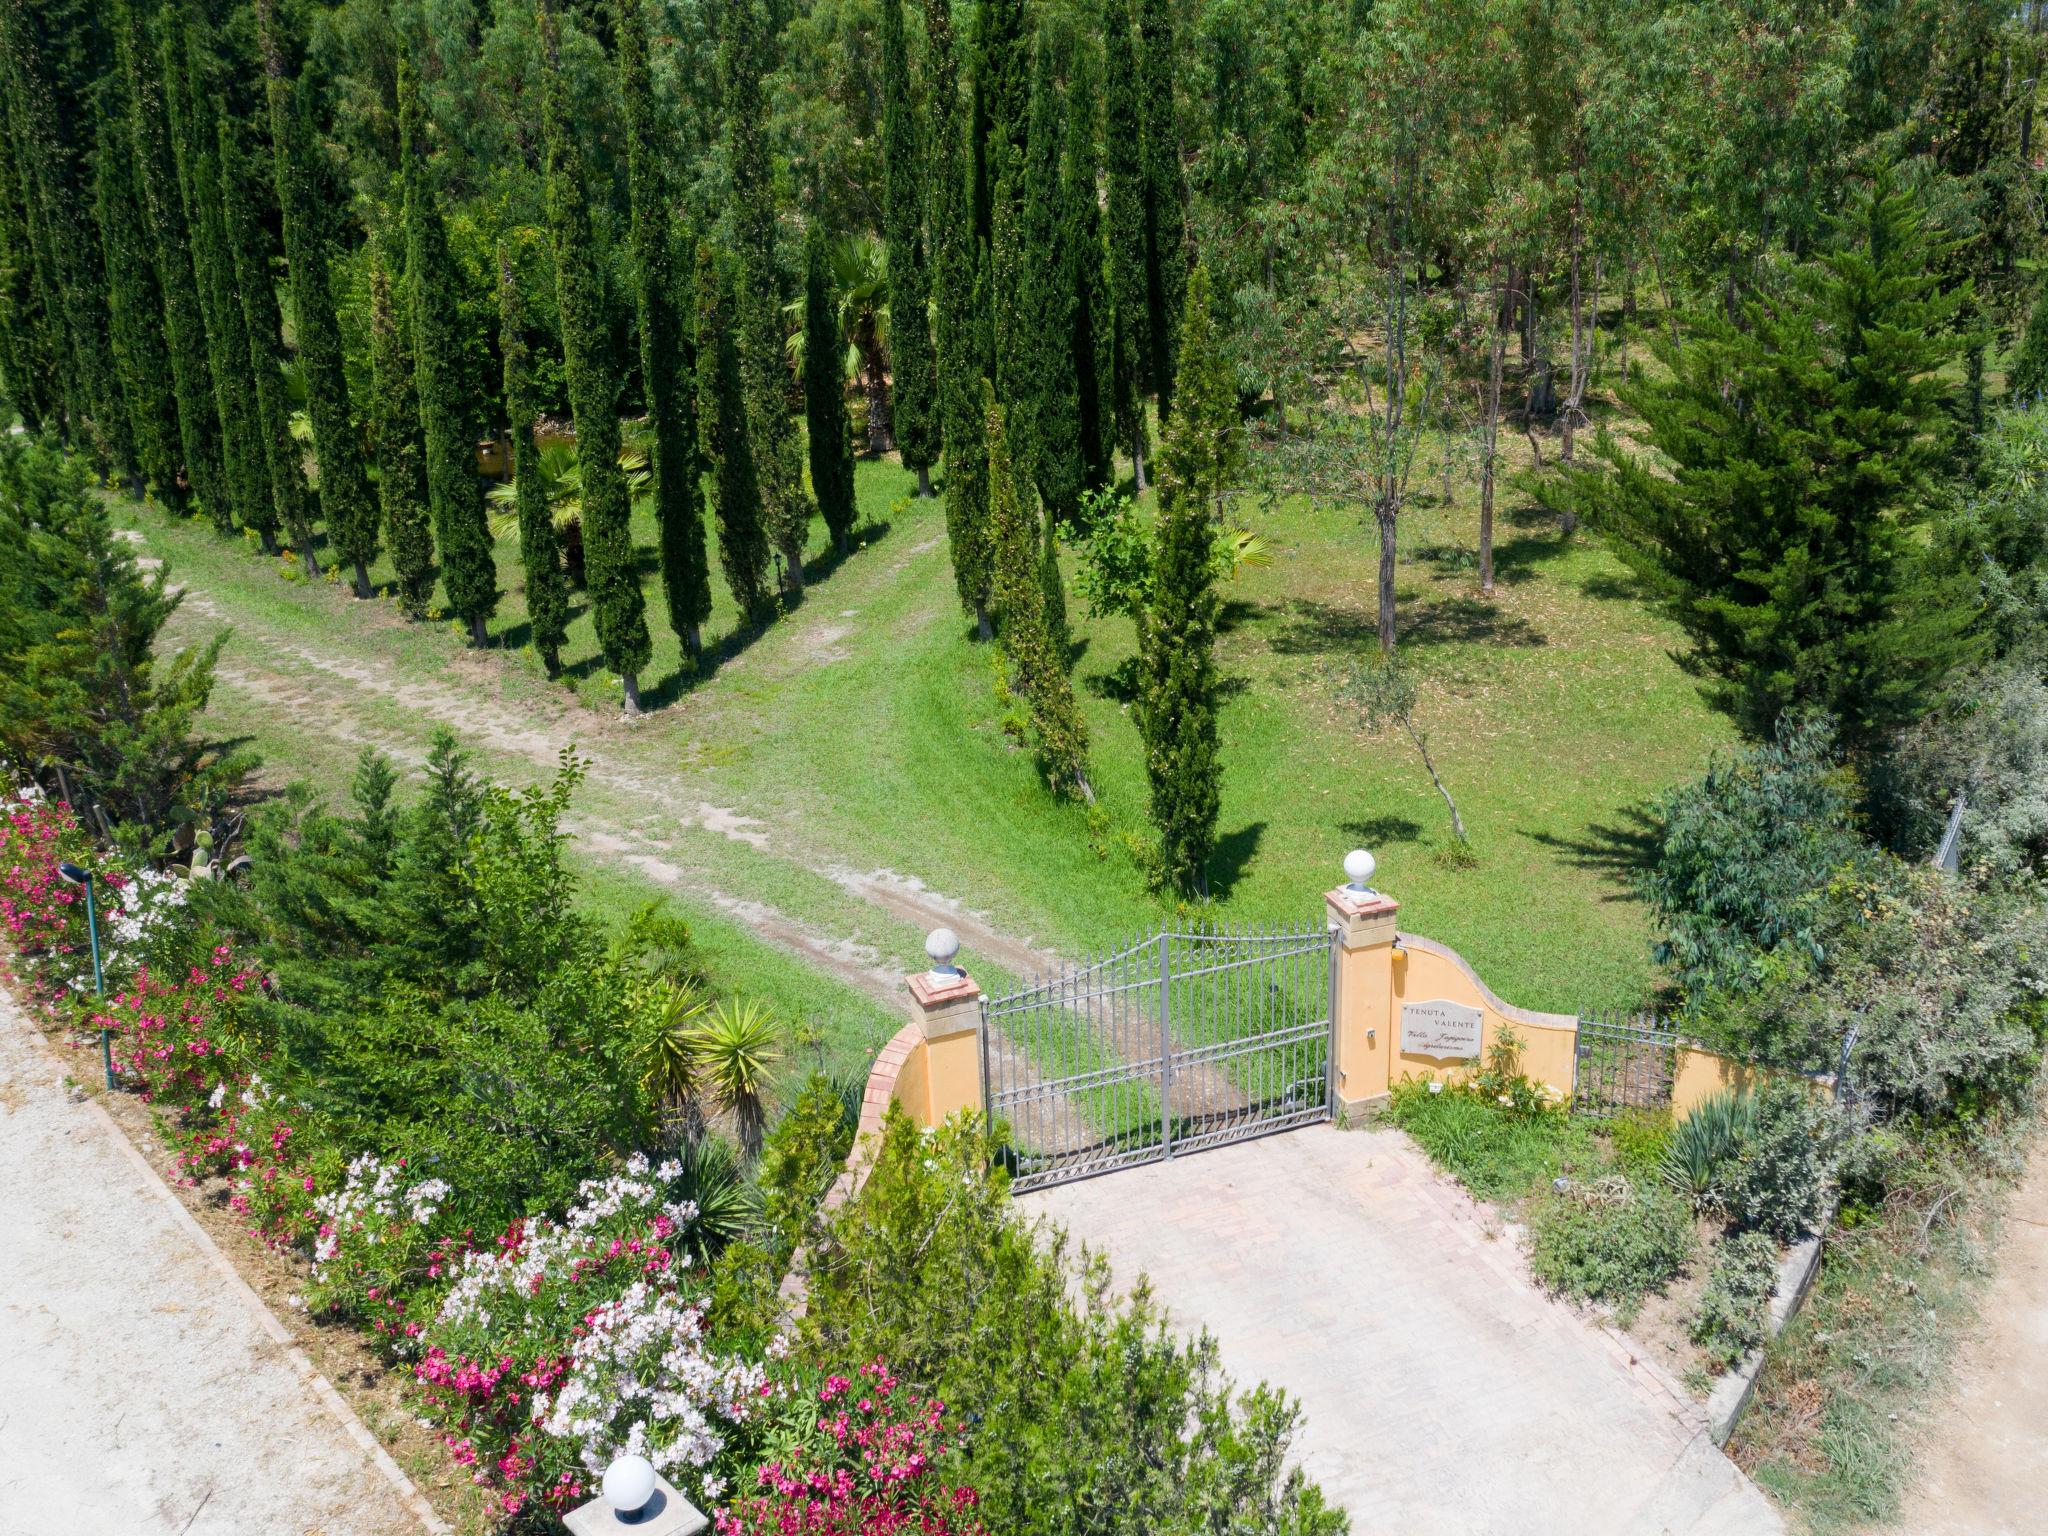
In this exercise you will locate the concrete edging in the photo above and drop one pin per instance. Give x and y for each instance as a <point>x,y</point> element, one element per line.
<point>1731,1394</point>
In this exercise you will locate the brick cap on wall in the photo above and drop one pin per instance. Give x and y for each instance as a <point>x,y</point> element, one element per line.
<point>1361,903</point>
<point>931,991</point>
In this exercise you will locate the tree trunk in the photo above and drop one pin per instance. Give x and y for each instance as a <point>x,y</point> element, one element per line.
<point>479,635</point>
<point>268,537</point>
<point>1497,354</point>
<point>1530,337</point>
<point>693,642</point>
<point>792,570</point>
<point>875,385</point>
<point>924,483</point>
<point>363,587</point>
<point>984,631</point>
<point>629,683</point>
<point>551,659</point>
<point>1385,513</point>
<point>1138,461</point>
<point>309,562</point>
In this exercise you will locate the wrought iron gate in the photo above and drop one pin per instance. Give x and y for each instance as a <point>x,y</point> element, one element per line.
<point>1623,1063</point>
<point>1170,1044</point>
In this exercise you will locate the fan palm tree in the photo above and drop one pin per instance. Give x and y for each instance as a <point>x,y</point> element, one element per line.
<point>561,476</point>
<point>734,1049</point>
<point>860,288</point>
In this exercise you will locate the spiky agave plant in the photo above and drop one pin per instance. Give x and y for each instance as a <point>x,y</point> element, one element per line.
<point>1705,1144</point>
<point>736,1052</point>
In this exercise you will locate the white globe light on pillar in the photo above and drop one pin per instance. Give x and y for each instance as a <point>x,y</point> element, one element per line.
<point>638,1499</point>
<point>629,1484</point>
<point>1358,869</point>
<point>942,944</point>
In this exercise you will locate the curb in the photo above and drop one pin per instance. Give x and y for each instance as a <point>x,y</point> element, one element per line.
<point>1731,1394</point>
<point>330,1399</point>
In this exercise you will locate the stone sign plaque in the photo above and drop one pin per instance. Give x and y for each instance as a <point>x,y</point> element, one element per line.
<point>1440,1028</point>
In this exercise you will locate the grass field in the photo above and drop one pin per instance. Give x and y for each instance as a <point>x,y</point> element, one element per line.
<point>860,734</point>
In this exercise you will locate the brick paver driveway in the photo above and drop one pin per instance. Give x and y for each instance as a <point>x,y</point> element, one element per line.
<point>1442,1394</point>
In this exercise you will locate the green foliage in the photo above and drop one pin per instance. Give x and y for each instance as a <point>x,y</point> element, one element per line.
<point>1042,387</point>
<point>1168,299</point>
<point>1703,1149</point>
<point>1092,352</point>
<point>1786,535</point>
<point>540,549</point>
<point>1091,1414</point>
<point>82,690</point>
<point>1610,1240</point>
<point>1779,1181</point>
<point>1734,1310</point>
<point>736,1052</point>
<point>2026,376</point>
<point>1497,1150</point>
<point>1640,1138</point>
<point>830,436</point>
<point>913,374</point>
<point>727,445</point>
<point>611,571</point>
<point>801,1159</point>
<point>401,453</point>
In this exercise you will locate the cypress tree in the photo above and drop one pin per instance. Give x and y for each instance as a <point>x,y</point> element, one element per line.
<point>246,192</point>
<point>1046,407</point>
<point>1177,638</point>
<point>666,363</point>
<point>958,347</point>
<point>135,309</point>
<point>612,576</point>
<point>469,576</point>
<point>1166,272</point>
<point>401,454</point>
<point>1130,306</point>
<point>2026,376</point>
<point>831,440</point>
<point>195,131</point>
<point>345,504</point>
<point>199,426</point>
<point>727,448</point>
<point>912,372</point>
<point>1038,669</point>
<point>540,554</point>
<point>785,509</point>
<point>1001,98</point>
<point>1081,216</point>
<point>27,353</point>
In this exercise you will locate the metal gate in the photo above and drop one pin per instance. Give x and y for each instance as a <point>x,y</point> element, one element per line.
<point>1623,1063</point>
<point>1170,1044</point>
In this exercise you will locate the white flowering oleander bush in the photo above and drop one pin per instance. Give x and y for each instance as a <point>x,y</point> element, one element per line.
<point>374,1244</point>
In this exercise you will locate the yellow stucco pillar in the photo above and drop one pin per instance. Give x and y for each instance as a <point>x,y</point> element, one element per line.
<point>1363,999</point>
<point>945,1004</point>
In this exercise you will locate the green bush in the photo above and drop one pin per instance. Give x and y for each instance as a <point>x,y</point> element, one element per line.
<point>1704,1146</point>
<point>1777,1185</point>
<point>1494,1150</point>
<point>803,1155</point>
<point>1735,1307</point>
<point>1639,1138</point>
<point>1612,1240</point>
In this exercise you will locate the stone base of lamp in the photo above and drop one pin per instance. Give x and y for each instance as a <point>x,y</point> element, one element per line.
<point>668,1513</point>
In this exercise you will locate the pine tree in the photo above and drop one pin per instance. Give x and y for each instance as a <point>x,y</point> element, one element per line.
<point>199,426</point>
<point>785,509</point>
<point>831,439</point>
<point>540,553</point>
<point>2026,376</point>
<point>913,376</point>
<point>1081,215</point>
<point>245,191</point>
<point>469,576</point>
<point>190,99</point>
<point>345,503</point>
<point>1787,537</point>
<point>401,453</point>
<point>1177,639</point>
<point>1166,272</point>
<point>135,306</point>
<point>1130,374</point>
<point>727,447</point>
<point>618,607</point>
<point>666,361</point>
<point>1037,668</point>
<point>1046,403</point>
<point>958,346</point>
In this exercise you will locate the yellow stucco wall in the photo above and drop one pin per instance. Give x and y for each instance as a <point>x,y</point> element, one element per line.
<point>1425,971</point>
<point>913,1084</point>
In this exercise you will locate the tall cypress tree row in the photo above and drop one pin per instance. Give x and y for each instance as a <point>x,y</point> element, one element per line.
<point>27,351</point>
<point>617,605</point>
<point>190,101</point>
<point>401,453</point>
<point>785,509</point>
<point>1038,669</point>
<point>469,576</point>
<point>1081,218</point>
<point>1177,640</point>
<point>540,553</point>
<point>727,448</point>
<point>831,441</point>
<point>666,363</point>
<point>1001,98</point>
<point>345,504</point>
<point>958,344</point>
<point>1129,297</point>
<point>135,306</point>
<point>245,191</point>
<point>912,374</point>
<point>1046,406</point>
<point>199,428</point>
<point>1166,271</point>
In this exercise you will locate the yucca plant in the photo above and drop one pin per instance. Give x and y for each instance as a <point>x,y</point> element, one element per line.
<point>1705,1144</point>
<point>670,1073</point>
<point>735,1049</point>
<point>727,1207</point>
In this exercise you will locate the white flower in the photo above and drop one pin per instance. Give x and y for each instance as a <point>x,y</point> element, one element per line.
<point>1436,1087</point>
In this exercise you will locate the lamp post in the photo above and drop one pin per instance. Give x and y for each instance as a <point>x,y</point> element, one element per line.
<point>73,874</point>
<point>639,1499</point>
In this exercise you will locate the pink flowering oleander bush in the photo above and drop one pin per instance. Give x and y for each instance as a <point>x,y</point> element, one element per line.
<point>44,915</point>
<point>869,1466</point>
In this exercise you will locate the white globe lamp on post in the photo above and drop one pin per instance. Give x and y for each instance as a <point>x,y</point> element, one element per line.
<point>941,945</point>
<point>1358,871</point>
<point>639,1499</point>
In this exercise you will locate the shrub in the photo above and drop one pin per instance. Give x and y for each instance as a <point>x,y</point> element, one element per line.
<point>1612,1240</point>
<point>1639,1138</point>
<point>1704,1145</point>
<point>1734,1309</point>
<point>1777,1185</point>
<point>1501,1133</point>
<point>802,1158</point>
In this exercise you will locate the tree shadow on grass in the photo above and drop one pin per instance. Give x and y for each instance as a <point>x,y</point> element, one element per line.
<point>1233,855</point>
<point>1458,618</point>
<point>1119,685</point>
<point>686,677</point>
<point>1620,853</point>
<point>1311,628</point>
<point>1380,831</point>
<point>1514,561</point>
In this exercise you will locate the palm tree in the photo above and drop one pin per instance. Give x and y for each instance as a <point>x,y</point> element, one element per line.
<point>671,1072</point>
<point>710,1178</point>
<point>561,477</point>
<point>735,1054</point>
<point>860,287</point>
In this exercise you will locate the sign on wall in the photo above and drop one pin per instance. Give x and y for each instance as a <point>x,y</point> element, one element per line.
<point>1439,1028</point>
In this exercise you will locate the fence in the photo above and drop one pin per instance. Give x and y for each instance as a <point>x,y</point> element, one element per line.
<point>1623,1063</point>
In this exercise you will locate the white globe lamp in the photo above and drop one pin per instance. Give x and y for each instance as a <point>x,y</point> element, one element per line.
<point>629,1484</point>
<point>1358,869</point>
<point>942,944</point>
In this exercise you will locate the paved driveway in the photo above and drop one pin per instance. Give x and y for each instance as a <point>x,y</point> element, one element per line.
<point>1442,1394</point>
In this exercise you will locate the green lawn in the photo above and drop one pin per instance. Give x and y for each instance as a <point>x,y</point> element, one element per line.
<point>862,733</point>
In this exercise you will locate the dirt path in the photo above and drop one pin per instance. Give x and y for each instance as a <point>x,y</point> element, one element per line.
<point>138,1391</point>
<point>1984,1464</point>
